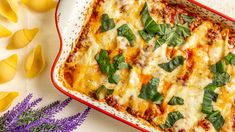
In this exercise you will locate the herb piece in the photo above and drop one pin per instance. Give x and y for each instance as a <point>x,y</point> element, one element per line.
<point>157,98</point>
<point>102,91</point>
<point>146,36</point>
<point>145,14</point>
<point>124,65</point>
<point>230,59</point>
<point>163,29</point>
<point>173,38</point>
<point>24,118</point>
<point>216,120</point>
<point>183,30</point>
<point>211,87</point>
<point>221,79</point>
<point>159,43</point>
<point>218,68</point>
<point>149,91</point>
<point>173,64</point>
<point>126,32</point>
<point>186,18</point>
<point>119,62</point>
<point>106,23</point>
<point>176,101</point>
<point>149,24</point>
<point>114,78</point>
<point>104,62</point>
<point>106,67</point>
<point>171,119</point>
<point>209,96</point>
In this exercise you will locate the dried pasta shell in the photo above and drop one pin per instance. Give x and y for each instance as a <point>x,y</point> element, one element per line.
<point>4,32</point>
<point>8,9</point>
<point>22,38</point>
<point>8,69</point>
<point>6,99</point>
<point>35,62</point>
<point>40,5</point>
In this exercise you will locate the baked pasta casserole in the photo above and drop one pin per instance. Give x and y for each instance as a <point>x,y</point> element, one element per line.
<point>168,67</point>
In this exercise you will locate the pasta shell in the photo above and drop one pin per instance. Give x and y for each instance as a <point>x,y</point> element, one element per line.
<point>4,32</point>
<point>8,69</point>
<point>40,5</point>
<point>6,99</point>
<point>22,38</point>
<point>35,62</point>
<point>8,9</point>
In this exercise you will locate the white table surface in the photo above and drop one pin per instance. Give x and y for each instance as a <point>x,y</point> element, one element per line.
<point>41,86</point>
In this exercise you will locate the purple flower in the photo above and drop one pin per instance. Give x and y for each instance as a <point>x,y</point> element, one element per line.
<point>77,121</point>
<point>50,106</point>
<point>23,118</point>
<point>70,123</point>
<point>29,106</point>
<point>16,111</point>
<point>52,111</point>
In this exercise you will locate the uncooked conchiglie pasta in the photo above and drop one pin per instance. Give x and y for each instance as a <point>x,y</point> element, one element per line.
<point>8,69</point>
<point>40,5</point>
<point>22,38</point>
<point>35,62</point>
<point>8,9</point>
<point>6,98</point>
<point>4,32</point>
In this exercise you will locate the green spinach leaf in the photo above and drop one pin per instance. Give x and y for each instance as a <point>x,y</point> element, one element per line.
<point>173,64</point>
<point>176,101</point>
<point>221,79</point>
<point>113,78</point>
<point>146,36</point>
<point>183,30</point>
<point>186,18</point>
<point>106,23</point>
<point>106,67</point>
<point>218,68</point>
<point>159,43</point>
<point>126,32</point>
<point>149,91</point>
<point>104,62</point>
<point>216,120</point>
<point>230,59</point>
<point>209,96</point>
<point>102,91</point>
<point>171,119</point>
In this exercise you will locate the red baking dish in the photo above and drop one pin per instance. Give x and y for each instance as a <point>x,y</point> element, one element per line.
<point>69,18</point>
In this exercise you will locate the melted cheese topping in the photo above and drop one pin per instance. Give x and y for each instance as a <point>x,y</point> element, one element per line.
<point>186,81</point>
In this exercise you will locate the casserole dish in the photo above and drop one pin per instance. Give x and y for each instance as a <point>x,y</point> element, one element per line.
<point>70,27</point>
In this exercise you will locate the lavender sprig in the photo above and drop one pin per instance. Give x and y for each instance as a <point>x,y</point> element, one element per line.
<point>52,111</point>
<point>50,106</point>
<point>23,118</point>
<point>16,111</point>
<point>73,121</point>
<point>17,118</point>
<point>77,121</point>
